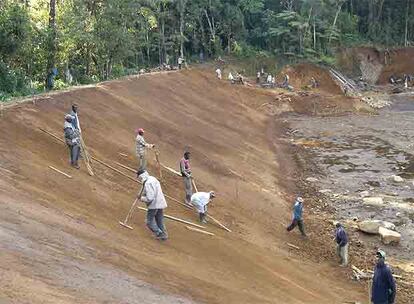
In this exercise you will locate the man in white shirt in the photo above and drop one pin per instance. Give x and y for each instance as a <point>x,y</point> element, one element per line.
<point>200,200</point>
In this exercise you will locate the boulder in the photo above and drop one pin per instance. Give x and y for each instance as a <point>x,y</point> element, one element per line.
<point>373,200</point>
<point>388,236</point>
<point>372,226</point>
<point>312,179</point>
<point>397,179</point>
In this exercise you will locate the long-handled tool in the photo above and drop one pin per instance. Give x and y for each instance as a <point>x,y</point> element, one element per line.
<point>86,157</point>
<point>157,158</point>
<point>124,223</point>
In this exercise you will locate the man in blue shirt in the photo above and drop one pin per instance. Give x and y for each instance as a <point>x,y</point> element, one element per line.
<point>341,239</point>
<point>297,217</point>
<point>383,283</point>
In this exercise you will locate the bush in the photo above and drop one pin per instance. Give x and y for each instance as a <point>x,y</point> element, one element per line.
<point>12,82</point>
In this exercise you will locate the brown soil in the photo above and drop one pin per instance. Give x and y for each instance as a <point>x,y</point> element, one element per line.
<point>301,74</point>
<point>60,241</point>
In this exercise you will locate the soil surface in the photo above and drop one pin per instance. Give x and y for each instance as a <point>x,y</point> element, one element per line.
<point>60,237</point>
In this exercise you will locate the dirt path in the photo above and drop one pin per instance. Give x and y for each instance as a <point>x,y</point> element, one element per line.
<point>60,238</point>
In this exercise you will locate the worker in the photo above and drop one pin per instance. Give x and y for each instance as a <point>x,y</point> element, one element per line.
<point>383,284</point>
<point>185,169</point>
<point>72,140</point>
<point>153,197</point>
<point>273,81</point>
<point>180,62</point>
<point>298,217</point>
<point>200,200</point>
<point>218,73</point>
<point>314,83</point>
<point>75,118</point>
<point>269,78</point>
<point>230,77</point>
<point>341,239</point>
<point>258,77</point>
<point>141,147</point>
<point>239,78</point>
<point>286,81</point>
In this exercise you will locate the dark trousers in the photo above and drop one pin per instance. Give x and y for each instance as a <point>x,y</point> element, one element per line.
<point>155,221</point>
<point>74,152</point>
<point>298,223</point>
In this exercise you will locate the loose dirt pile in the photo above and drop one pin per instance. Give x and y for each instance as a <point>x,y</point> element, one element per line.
<point>60,240</point>
<point>300,78</point>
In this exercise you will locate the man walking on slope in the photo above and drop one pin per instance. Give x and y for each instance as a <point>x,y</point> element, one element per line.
<point>72,140</point>
<point>297,217</point>
<point>200,200</point>
<point>185,170</point>
<point>141,147</point>
<point>153,197</point>
<point>383,283</point>
<point>341,239</point>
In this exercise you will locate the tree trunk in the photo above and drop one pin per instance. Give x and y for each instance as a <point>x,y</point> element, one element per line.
<point>406,25</point>
<point>314,35</point>
<point>52,37</point>
<point>338,11</point>
<point>210,25</point>
<point>182,10</point>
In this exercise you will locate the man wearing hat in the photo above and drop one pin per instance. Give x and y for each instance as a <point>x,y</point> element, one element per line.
<point>153,197</point>
<point>141,147</point>
<point>298,217</point>
<point>185,170</point>
<point>341,239</point>
<point>72,140</point>
<point>383,284</point>
<point>200,200</point>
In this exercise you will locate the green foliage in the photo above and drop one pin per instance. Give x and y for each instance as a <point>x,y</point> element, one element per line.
<point>104,39</point>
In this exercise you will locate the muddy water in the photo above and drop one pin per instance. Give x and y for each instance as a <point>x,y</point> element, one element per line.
<point>357,156</point>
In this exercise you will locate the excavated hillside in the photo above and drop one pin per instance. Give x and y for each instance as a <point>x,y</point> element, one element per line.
<point>60,240</point>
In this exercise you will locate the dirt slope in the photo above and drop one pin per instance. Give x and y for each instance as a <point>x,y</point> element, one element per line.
<point>60,241</point>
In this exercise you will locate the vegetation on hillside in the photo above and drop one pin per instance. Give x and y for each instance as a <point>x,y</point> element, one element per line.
<point>86,41</point>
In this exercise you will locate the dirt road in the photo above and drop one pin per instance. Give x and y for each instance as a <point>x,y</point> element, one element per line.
<point>60,241</point>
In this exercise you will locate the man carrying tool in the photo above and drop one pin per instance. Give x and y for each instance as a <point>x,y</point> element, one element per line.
<point>298,217</point>
<point>72,140</point>
<point>75,118</point>
<point>141,147</point>
<point>153,197</point>
<point>341,239</point>
<point>185,170</point>
<point>383,284</point>
<point>200,200</point>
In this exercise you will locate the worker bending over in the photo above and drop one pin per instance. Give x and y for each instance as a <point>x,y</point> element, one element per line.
<point>141,147</point>
<point>200,200</point>
<point>153,197</point>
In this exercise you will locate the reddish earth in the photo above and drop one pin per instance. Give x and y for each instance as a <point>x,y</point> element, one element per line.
<point>301,74</point>
<point>60,238</point>
<point>395,62</point>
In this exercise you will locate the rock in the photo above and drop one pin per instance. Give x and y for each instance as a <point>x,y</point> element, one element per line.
<point>373,200</point>
<point>364,193</point>
<point>312,179</point>
<point>389,236</point>
<point>372,226</point>
<point>323,191</point>
<point>397,179</point>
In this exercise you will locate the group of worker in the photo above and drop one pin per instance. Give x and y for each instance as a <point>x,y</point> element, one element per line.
<point>383,284</point>
<point>383,287</point>
<point>152,194</point>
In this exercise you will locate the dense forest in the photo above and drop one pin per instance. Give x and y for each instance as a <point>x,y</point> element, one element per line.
<point>84,41</point>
